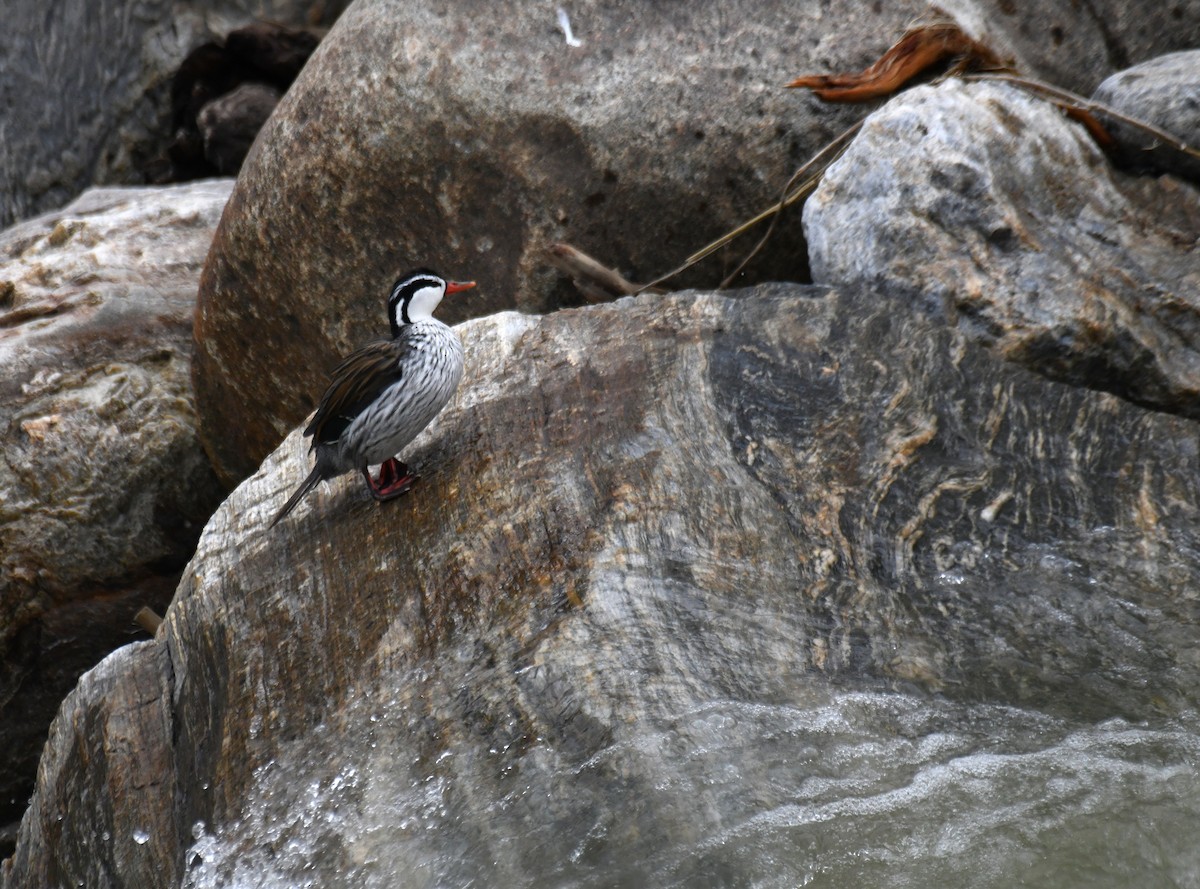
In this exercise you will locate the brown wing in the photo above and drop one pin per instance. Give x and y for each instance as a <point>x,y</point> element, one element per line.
<point>354,384</point>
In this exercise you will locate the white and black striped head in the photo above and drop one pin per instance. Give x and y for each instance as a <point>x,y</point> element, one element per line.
<point>417,294</point>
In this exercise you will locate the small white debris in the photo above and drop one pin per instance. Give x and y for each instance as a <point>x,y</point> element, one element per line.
<point>988,513</point>
<point>564,22</point>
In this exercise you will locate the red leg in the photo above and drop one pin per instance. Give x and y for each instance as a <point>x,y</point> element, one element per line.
<point>389,471</point>
<point>394,480</point>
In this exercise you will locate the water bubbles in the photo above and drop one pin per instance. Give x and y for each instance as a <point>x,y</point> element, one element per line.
<point>141,837</point>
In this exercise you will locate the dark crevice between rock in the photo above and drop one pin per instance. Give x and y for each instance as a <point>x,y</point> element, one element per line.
<point>223,93</point>
<point>45,662</point>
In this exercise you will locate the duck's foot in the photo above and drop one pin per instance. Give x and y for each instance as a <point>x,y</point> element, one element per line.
<point>394,480</point>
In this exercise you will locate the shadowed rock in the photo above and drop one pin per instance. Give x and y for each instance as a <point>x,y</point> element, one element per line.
<point>228,125</point>
<point>84,88</point>
<point>1164,92</point>
<point>224,92</point>
<point>1075,45</point>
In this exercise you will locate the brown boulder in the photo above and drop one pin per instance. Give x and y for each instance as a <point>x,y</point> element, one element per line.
<point>103,484</point>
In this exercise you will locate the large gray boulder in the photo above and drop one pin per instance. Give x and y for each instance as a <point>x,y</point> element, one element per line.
<point>696,590</point>
<point>103,484</point>
<point>985,205</point>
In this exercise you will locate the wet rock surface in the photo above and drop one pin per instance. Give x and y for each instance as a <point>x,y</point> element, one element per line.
<point>104,484</point>
<point>672,563</point>
<point>981,204</point>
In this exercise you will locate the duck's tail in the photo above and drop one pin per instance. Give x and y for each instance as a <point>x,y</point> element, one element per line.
<point>305,486</point>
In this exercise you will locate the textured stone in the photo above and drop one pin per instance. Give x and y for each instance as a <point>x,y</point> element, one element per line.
<point>602,641</point>
<point>1164,92</point>
<point>984,204</point>
<point>84,87</point>
<point>1076,45</point>
<point>474,142</point>
<point>103,484</point>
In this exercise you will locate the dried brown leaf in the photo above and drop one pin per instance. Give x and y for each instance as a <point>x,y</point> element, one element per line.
<point>915,53</point>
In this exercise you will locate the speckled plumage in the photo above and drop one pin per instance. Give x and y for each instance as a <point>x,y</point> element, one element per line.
<point>382,395</point>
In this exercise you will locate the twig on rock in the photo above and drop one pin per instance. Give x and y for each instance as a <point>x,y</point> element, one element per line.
<point>920,49</point>
<point>802,183</point>
<point>1086,111</point>
<point>597,282</point>
<point>147,620</point>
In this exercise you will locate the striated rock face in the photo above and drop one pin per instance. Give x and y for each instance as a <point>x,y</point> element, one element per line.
<point>112,767</point>
<point>103,484</point>
<point>638,624</point>
<point>83,87</point>
<point>977,202</point>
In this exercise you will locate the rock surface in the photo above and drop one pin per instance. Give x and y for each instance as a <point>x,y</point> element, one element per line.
<point>476,141</point>
<point>103,484</point>
<point>224,92</point>
<point>978,202</point>
<point>1076,45</point>
<point>229,125</point>
<point>638,622</point>
<point>84,87</point>
<point>113,764</point>
<point>1164,92</point>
